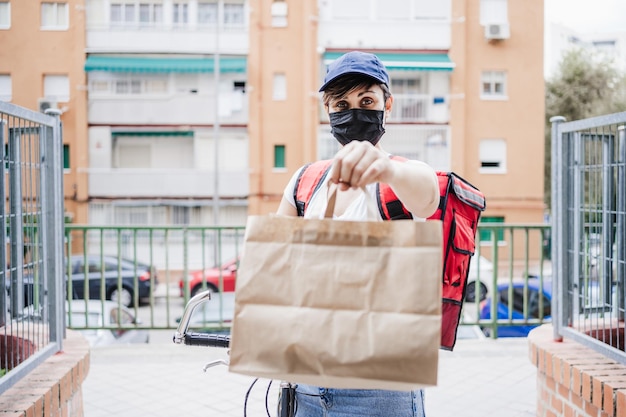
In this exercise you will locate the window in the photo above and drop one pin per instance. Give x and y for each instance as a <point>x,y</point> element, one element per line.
<point>181,13</point>
<point>233,14</point>
<point>207,13</point>
<point>122,13</point>
<point>5,15</point>
<point>126,13</point>
<point>180,215</point>
<point>150,14</point>
<point>66,156</point>
<point>279,14</point>
<point>485,236</point>
<point>279,91</point>
<point>279,156</point>
<point>493,85</point>
<point>56,87</point>
<point>146,84</point>
<point>54,16</point>
<point>492,154</point>
<point>6,88</point>
<point>493,11</point>
<point>127,87</point>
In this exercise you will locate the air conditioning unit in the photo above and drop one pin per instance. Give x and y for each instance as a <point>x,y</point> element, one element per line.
<point>45,104</point>
<point>497,31</point>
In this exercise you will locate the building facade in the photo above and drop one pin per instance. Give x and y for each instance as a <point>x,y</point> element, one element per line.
<point>42,55</point>
<point>183,112</point>
<point>467,79</point>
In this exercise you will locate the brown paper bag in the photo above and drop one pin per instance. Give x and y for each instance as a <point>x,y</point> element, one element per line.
<point>342,304</point>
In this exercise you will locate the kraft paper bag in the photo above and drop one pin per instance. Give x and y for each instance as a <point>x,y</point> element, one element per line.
<point>341,304</point>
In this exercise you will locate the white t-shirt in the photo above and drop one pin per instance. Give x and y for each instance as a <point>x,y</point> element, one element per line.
<point>357,210</point>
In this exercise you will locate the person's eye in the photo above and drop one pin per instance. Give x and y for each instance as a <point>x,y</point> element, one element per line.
<point>341,105</point>
<point>367,102</point>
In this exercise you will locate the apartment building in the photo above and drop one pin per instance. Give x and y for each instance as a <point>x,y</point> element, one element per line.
<point>467,78</point>
<point>168,111</point>
<point>42,54</point>
<point>198,111</point>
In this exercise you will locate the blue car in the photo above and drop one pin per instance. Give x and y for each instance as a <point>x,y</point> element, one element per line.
<point>517,303</point>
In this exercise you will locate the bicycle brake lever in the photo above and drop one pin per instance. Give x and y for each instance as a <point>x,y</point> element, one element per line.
<point>215,363</point>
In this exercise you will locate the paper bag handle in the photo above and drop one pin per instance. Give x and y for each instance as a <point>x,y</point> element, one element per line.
<point>372,210</point>
<point>332,198</point>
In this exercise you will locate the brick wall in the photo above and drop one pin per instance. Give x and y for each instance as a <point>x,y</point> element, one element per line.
<point>573,380</point>
<point>54,388</point>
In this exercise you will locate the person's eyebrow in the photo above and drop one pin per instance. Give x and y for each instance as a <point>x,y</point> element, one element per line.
<point>367,91</point>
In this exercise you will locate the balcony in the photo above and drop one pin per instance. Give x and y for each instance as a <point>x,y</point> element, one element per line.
<point>162,183</point>
<point>166,39</point>
<point>174,109</point>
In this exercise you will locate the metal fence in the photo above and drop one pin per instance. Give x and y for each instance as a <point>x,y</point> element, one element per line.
<point>31,257</point>
<point>175,262</point>
<point>589,226</point>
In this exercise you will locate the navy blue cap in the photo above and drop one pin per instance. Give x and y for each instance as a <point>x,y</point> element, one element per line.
<point>356,62</point>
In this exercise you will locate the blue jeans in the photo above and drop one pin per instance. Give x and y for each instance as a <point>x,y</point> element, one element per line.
<point>328,402</point>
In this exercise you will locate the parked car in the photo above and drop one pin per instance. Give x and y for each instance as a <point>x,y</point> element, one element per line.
<point>211,278</point>
<point>108,267</point>
<point>104,314</point>
<point>517,304</point>
<point>486,271</point>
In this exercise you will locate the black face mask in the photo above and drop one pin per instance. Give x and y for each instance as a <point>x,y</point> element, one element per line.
<point>357,124</point>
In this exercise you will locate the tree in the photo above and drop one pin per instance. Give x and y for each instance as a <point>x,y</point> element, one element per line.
<point>586,84</point>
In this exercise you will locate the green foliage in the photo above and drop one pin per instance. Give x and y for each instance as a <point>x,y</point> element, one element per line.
<point>586,84</point>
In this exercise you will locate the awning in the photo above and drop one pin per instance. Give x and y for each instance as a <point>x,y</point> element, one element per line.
<point>406,62</point>
<point>163,65</point>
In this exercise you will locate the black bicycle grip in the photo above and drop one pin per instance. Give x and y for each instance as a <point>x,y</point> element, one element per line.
<point>207,339</point>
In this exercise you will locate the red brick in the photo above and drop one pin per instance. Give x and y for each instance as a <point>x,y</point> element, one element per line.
<point>598,393</point>
<point>576,386</point>
<point>557,404</point>
<point>562,391</point>
<point>548,364</point>
<point>576,400</point>
<point>620,402</point>
<point>590,409</point>
<point>568,411</point>
<point>567,375</point>
<point>586,386</point>
<point>611,397</point>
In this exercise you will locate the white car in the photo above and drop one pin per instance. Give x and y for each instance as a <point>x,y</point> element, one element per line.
<point>485,267</point>
<point>104,314</point>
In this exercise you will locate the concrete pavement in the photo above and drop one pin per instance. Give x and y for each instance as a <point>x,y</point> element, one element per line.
<point>482,377</point>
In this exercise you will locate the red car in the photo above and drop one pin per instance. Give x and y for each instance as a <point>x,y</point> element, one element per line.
<point>211,279</point>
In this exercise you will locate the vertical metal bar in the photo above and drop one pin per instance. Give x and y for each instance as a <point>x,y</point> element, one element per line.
<point>54,206</point>
<point>620,245</point>
<point>608,207</point>
<point>17,224</point>
<point>557,218</point>
<point>3,220</point>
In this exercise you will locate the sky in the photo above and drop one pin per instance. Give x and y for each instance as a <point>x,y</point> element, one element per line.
<point>587,15</point>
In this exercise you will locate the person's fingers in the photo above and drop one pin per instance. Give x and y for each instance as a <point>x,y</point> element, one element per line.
<point>345,161</point>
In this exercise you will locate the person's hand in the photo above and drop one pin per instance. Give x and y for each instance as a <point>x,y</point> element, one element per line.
<point>360,163</point>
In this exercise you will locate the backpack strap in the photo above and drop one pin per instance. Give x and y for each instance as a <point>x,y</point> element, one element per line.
<point>309,180</point>
<point>389,205</point>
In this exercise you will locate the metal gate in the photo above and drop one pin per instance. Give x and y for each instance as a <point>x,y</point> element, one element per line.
<point>589,226</point>
<point>31,256</point>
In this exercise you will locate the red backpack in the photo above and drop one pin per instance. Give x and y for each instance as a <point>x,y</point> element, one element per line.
<point>460,206</point>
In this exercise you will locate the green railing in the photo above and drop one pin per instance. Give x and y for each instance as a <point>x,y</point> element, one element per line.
<point>121,260</point>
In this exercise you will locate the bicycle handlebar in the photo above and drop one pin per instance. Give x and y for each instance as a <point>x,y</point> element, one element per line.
<point>206,339</point>
<point>193,338</point>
